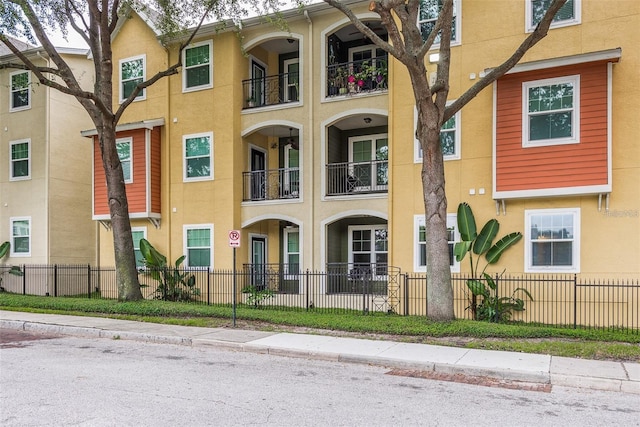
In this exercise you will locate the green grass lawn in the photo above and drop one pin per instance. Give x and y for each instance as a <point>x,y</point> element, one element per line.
<point>527,338</point>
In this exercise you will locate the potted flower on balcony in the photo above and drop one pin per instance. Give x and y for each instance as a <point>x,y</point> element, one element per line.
<point>251,102</point>
<point>341,80</point>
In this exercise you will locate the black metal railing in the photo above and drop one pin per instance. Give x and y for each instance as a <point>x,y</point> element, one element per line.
<point>570,300</point>
<point>348,78</point>
<point>271,184</point>
<point>357,177</point>
<point>271,90</point>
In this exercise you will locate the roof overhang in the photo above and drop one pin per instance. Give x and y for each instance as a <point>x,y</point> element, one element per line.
<point>145,124</point>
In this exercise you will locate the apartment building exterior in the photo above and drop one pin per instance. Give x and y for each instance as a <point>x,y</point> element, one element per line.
<point>45,179</point>
<point>303,140</point>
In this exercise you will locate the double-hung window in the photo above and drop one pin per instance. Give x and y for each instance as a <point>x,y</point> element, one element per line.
<point>20,158</point>
<point>20,236</point>
<point>368,250</point>
<point>123,146</point>
<point>132,73</point>
<point>420,251</point>
<point>198,240</point>
<point>552,240</point>
<point>428,16</point>
<point>551,110</point>
<point>197,69</point>
<point>450,137</point>
<point>138,233</point>
<point>198,157</point>
<point>569,13</point>
<point>20,98</point>
<point>292,251</point>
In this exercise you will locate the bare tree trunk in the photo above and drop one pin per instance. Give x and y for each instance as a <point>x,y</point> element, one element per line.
<point>126,271</point>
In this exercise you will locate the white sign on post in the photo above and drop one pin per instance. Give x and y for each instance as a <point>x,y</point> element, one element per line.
<point>234,238</point>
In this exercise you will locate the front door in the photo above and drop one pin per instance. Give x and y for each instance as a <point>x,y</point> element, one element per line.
<point>258,75</point>
<point>258,261</point>
<point>258,174</point>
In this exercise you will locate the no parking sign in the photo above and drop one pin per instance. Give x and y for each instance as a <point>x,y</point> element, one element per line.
<point>234,238</point>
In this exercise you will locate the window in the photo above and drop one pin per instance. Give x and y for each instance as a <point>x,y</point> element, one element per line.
<point>552,240</point>
<point>197,70</point>
<point>132,73</point>
<point>198,165</point>
<point>20,237</point>
<point>428,15</point>
<point>449,138</point>
<point>197,245</point>
<point>292,250</point>
<point>420,251</point>
<point>368,249</point>
<point>138,233</point>
<point>20,158</point>
<point>569,13</point>
<point>124,153</point>
<point>369,158</point>
<point>20,98</point>
<point>551,111</point>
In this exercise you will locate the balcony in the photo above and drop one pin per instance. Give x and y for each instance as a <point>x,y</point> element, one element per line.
<point>357,178</point>
<point>271,90</point>
<point>356,77</point>
<point>273,184</point>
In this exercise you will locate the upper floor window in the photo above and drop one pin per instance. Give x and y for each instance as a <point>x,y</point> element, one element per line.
<point>138,233</point>
<point>449,139</point>
<point>428,15</point>
<point>20,237</point>
<point>569,13</point>
<point>198,241</point>
<point>124,153</point>
<point>551,111</point>
<point>132,73</point>
<point>420,251</point>
<point>20,158</point>
<point>552,240</point>
<point>197,69</point>
<point>20,98</point>
<point>198,158</point>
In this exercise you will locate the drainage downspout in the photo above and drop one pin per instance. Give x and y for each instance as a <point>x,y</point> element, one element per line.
<point>310,145</point>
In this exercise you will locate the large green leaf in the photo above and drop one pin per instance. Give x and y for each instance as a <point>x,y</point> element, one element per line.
<point>485,238</point>
<point>493,255</point>
<point>152,257</point>
<point>460,249</point>
<point>477,287</point>
<point>466,223</point>
<point>4,249</point>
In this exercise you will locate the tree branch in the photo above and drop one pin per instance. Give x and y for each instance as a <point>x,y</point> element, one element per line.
<point>538,34</point>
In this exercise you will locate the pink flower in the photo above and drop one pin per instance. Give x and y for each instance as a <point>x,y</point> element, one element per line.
<point>352,79</point>
<point>360,83</point>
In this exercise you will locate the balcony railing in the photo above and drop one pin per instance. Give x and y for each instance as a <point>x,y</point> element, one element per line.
<point>348,78</point>
<point>357,177</point>
<point>271,184</point>
<point>271,90</point>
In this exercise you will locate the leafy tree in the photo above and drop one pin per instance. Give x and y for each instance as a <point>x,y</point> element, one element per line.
<point>96,21</point>
<point>406,44</point>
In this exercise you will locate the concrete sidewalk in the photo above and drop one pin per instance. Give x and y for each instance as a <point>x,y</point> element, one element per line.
<point>509,366</point>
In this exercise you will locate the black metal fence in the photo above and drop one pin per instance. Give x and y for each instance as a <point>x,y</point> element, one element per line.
<point>562,300</point>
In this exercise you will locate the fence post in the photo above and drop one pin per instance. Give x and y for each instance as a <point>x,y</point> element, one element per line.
<point>575,301</point>
<point>89,281</point>
<point>306,286</point>
<point>406,293</point>
<point>208,286</point>
<point>55,280</point>
<point>24,279</point>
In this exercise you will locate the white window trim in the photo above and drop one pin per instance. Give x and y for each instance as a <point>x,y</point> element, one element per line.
<point>417,152</point>
<point>29,161</point>
<point>185,248</point>
<point>12,252</point>
<point>575,126</point>
<point>128,140</point>
<point>419,220</point>
<point>143,94</point>
<point>528,265</point>
<point>186,89</point>
<point>286,232</point>
<point>373,185</point>
<point>577,18</point>
<point>457,13</point>
<point>144,236</point>
<point>24,107</point>
<point>185,178</point>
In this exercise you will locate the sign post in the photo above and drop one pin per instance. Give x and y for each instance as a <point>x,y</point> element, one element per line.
<point>234,242</point>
